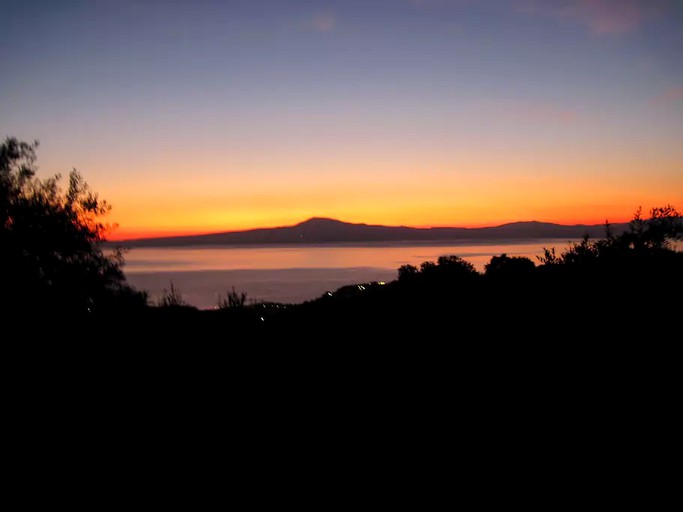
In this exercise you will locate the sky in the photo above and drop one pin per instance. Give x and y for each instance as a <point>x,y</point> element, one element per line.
<point>203,115</point>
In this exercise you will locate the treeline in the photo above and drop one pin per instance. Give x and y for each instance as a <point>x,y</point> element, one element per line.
<point>613,285</point>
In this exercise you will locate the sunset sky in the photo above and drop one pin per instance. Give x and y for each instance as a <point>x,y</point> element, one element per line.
<point>204,115</point>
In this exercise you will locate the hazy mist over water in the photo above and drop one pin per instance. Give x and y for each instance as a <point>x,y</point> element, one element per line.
<point>294,274</point>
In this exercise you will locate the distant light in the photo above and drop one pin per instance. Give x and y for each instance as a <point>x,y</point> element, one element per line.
<point>361,287</point>
<point>328,293</point>
<point>381,282</point>
<point>263,319</point>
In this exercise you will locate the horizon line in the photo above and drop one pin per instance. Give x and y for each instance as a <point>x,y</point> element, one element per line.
<point>315,217</point>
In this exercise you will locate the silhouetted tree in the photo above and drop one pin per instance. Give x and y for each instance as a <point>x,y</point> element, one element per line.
<point>504,266</point>
<point>664,225</point>
<point>447,275</point>
<point>453,263</point>
<point>645,237</point>
<point>407,272</point>
<point>428,268</point>
<point>637,270</point>
<point>51,257</point>
<point>446,266</point>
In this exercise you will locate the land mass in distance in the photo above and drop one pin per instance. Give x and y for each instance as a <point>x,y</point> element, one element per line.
<point>324,230</point>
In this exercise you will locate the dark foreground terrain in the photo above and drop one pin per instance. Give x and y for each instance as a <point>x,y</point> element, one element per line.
<point>535,384</point>
<point>537,387</point>
<point>443,302</point>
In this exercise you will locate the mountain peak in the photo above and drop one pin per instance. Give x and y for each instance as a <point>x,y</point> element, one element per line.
<point>321,221</point>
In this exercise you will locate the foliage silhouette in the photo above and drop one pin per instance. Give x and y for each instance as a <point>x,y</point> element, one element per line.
<point>504,265</point>
<point>233,300</point>
<point>171,298</point>
<point>52,257</point>
<point>447,268</point>
<point>583,288</point>
<point>645,237</point>
<point>407,272</point>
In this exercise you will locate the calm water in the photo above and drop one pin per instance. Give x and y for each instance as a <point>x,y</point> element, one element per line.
<point>293,274</point>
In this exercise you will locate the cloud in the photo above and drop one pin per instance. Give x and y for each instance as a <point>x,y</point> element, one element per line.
<point>670,95</point>
<point>600,16</point>
<point>323,22</point>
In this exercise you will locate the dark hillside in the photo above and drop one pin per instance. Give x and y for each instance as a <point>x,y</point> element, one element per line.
<point>321,230</point>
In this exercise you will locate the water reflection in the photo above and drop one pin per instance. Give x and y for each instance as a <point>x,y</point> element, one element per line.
<point>325,256</point>
<point>293,274</point>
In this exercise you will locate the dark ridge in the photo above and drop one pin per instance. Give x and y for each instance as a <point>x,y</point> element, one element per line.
<point>318,230</point>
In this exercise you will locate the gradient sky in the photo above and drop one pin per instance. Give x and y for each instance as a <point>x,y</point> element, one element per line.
<point>206,115</point>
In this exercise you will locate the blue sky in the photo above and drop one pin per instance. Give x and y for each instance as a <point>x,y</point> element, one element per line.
<point>202,115</point>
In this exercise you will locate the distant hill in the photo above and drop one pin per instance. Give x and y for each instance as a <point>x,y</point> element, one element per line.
<point>322,230</point>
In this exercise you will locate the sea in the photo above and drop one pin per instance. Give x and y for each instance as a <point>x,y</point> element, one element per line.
<point>202,275</point>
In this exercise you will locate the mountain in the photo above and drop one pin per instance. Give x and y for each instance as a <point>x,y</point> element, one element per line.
<point>322,230</point>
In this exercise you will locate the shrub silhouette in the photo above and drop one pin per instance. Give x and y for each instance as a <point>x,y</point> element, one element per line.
<point>171,298</point>
<point>447,267</point>
<point>233,300</point>
<point>51,257</point>
<point>645,238</point>
<point>407,272</point>
<point>505,266</point>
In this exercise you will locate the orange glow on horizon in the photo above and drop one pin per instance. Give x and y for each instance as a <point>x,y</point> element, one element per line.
<point>121,233</point>
<point>476,191</point>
